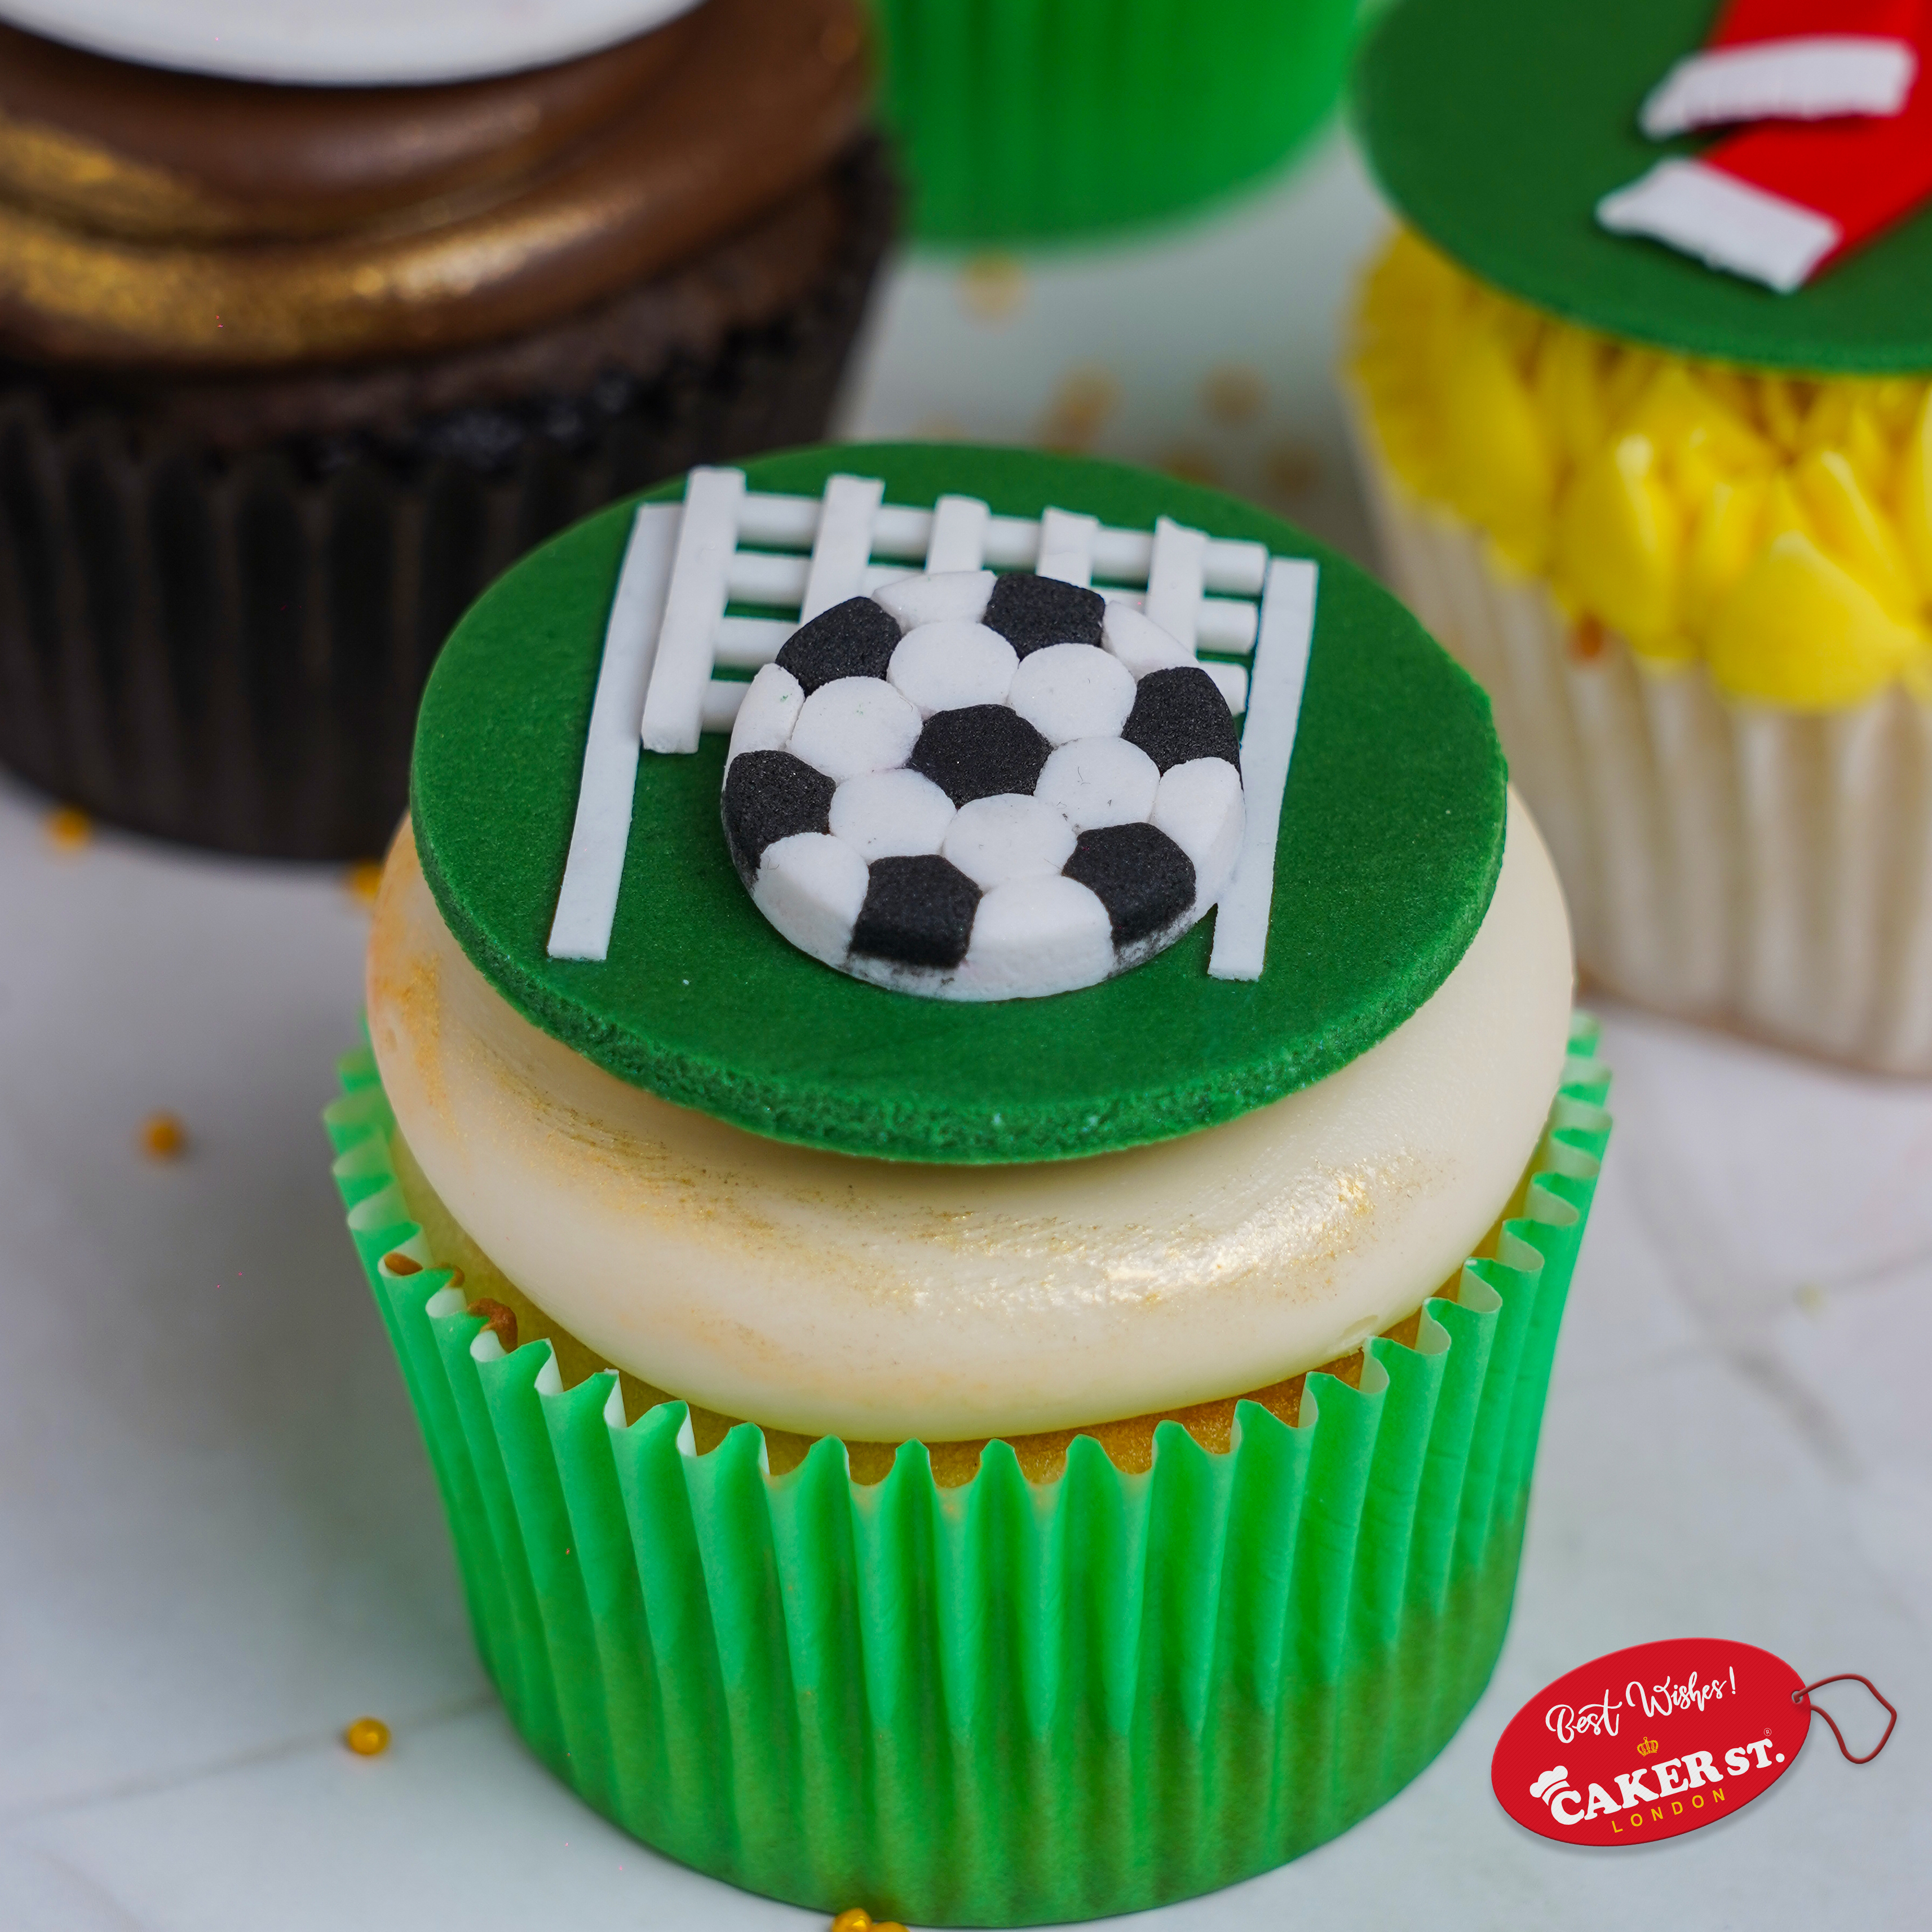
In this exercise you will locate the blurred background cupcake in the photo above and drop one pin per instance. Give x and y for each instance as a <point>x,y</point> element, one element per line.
<point>1678,522</point>
<point>1028,118</point>
<point>299,347</point>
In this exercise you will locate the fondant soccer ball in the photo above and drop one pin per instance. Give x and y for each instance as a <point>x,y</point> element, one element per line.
<point>983,788</point>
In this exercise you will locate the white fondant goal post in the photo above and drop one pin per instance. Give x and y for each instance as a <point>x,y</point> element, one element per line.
<point>673,628</point>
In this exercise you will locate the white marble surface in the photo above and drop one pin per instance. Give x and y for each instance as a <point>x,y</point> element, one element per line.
<point>218,1539</point>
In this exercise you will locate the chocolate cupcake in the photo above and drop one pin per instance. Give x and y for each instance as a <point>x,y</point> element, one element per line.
<point>289,372</point>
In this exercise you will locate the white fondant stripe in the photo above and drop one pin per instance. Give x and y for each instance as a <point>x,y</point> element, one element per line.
<point>1724,221</point>
<point>850,527</point>
<point>958,539</point>
<point>1267,745</point>
<point>1807,77</point>
<point>772,577</point>
<point>587,903</point>
<point>722,697</point>
<point>1174,580</point>
<point>1228,564</point>
<point>1226,624</point>
<point>790,523</point>
<point>746,643</point>
<point>695,601</point>
<point>767,577</point>
<point>1231,566</point>
<point>843,545</point>
<point>1066,546</point>
<point>900,532</point>
<point>1220,624</point>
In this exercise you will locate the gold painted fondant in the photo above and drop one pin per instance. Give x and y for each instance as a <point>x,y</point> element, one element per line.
<point>674,172</point>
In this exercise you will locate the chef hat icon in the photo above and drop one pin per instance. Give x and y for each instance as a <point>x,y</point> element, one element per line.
<point>1545,1786</point>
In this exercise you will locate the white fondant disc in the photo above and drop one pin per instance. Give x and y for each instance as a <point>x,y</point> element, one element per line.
<point>343,42</point>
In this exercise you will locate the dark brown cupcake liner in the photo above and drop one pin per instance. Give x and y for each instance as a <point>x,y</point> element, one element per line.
<point>228,650</point>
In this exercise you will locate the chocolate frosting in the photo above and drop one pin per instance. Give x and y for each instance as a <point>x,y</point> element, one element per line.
<point>138,152</point>
<point>166,221</point>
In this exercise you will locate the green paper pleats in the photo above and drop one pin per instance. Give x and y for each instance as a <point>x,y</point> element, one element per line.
<point>1026,119</point>
<point>1003,1703</point>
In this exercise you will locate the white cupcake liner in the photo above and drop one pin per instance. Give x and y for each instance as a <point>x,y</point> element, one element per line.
<point>1766,870</point>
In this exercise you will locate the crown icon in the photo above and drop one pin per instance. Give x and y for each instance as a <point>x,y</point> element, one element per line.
<point>1645,1746</point>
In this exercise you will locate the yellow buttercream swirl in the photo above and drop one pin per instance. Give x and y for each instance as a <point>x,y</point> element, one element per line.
<point>1777,528</point>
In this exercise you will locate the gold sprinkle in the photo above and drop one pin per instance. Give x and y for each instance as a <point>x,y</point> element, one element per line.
<point>397,1263</point>
<point>1291,468</point>
<point>163,1137</point>
<point>500,1321</point>
<point>1233,393</point>
<point>1586,640</point>
<point>853,1918</point>
<point>68,828</point>
<point>1086,397</point>
<point>992,286</point>
<point>365,881</point>
<point>1191,464</point>
<point>367,1737</point>
<point>840,42</point>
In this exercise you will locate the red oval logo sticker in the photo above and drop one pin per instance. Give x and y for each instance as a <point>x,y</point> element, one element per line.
<point>1650,1742</point>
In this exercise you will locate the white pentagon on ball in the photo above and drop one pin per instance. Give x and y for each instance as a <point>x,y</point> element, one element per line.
<point>1008,836</point>
<point>1097,781</point>
<point>855,724</point>
<point>895,814</point>
<point>943,665</point>
<point>982,787</point>
<point>1073,691</point>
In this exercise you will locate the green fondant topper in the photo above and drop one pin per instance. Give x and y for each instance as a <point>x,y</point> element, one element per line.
<point>1496,126</point>
<point>1390,839</point>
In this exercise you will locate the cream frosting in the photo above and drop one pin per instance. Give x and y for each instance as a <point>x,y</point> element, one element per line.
<point>877,1300</point>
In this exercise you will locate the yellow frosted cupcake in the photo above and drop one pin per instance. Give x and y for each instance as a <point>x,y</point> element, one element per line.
<point>1679,525</point>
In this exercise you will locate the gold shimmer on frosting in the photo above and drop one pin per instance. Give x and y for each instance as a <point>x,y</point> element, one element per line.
<point>824,1295</point>
<point>1128,1442</point>
<point>47,166</point>
<point>671,173</point>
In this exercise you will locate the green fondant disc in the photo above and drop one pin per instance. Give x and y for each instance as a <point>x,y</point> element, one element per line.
<point>1391,839</point>
<point>1496,126</point>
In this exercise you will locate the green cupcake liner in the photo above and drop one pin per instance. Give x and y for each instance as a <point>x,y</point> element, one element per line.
<point>1033,117</point>
<point>1003,1703</point>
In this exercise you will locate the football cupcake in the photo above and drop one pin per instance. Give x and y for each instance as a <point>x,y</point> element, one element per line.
<point>299,348</point>
<point>1646,429</point>
<point>977,1257</point>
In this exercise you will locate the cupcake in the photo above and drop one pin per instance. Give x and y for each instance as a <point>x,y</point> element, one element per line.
<point>289,370</point>
<point>977,1230</point>
<point>1676,522</point>
<point>1029,119</point>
